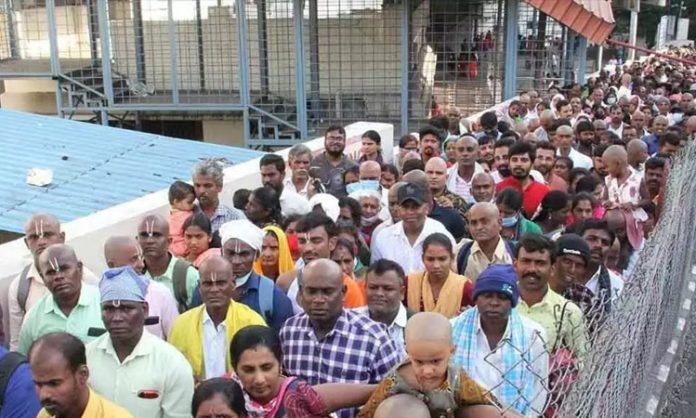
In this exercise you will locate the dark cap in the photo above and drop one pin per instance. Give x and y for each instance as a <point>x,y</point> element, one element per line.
<point>410,191</point>
<point>573,244</point>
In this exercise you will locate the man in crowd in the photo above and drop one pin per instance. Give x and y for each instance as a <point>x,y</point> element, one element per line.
<point>70,306</point>
<point>562,320</point>
<point>207,183</point>
<point>330,344</point>
<point>369,175</point>
<point>585,137</point>
<point>403,241</point>
<point>546,120</point>
<point>299,160</point>
<point>60,374</point>
<point>332,163</point>
<point>133,368</point>
<point>521,156</point>
<point>637,151</point>
<point>20,399</point>
<point>487,247</point>
<point>483,188</point>
<point>544,162</point>
<point>499,348</point>
<point>393,207</point>
<point>654,172</point>
<point>669,143</point>
<point>429,142</point>
<point>384,287</point>
<point>161,265</point>
<point>459,176</point>
<point>569,270</point>
<point>501,159</point>
<point>448,216</point>
<point>629,134</point>
<point>436,172</point>
<point>203,334</point>
<point>657,129</point>
<point>486,146</point>
<point>40,232</point>
<point>564,144</point>
<point>241,246</point>
<point>638,122</point>
<point>124,251</point>
<point>272,168</point>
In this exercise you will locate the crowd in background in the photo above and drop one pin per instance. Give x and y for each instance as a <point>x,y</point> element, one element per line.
<point>465,275</point>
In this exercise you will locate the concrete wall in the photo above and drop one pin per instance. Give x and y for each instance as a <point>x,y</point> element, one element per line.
<point>87,234</point>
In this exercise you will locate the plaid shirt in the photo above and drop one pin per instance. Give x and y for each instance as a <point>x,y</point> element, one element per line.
<point>224,214</point>
<point>357,350</point>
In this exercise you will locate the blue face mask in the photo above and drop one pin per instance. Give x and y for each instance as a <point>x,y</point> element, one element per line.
<point>362,185</point>
<point>511,221</point>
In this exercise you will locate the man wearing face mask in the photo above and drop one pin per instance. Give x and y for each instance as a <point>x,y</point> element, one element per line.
<point>241,246</point>
<point>369,174</point>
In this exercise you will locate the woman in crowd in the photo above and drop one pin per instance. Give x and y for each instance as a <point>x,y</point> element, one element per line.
<point>263,207</point>
<point>449,150</point>
<point>348,231</point>
<point>562,168</point>
<point>199,239</point>
<point>575,175</point>
<point>370,206</point>
<point>509,203</point>
<point>552,213</point>
<point>438,288</point>
<point>344,255</point>
<point>275,258</point>
<point>390,175</point>
<point>591,185</point>
<point>371,149</point>
<point>257,358</point>
<point>350,210</point>
<point>583,207</point>
<point>217,398</point>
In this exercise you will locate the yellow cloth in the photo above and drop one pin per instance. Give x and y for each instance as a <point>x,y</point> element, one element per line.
<point>97,407</point>
<point>449,300</point>
<point>285,263</point>
<point>187,333</point>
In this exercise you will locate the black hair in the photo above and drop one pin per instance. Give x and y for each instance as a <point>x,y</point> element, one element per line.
<point>567,160</point>
<point>533,243</point>
<point>437,238</point>
<point>253,336</point>
<point>511,198</point>
<point>560,122</point>
<point>338,128</point>
<point>599,150</point>
<point>485,139</point>
<point>522,147</point>
<point>219,386</point>
<point>290,219</point>
<point>240,198</point>
<point>584,126</point>
<point>580,196</point>
<point>655,162</point>
<point>406,139</point>
<point>489,120</point>
<point>561,103</point>
<point>670,137</point>
<point>273,159</point>
<point>70,347</point>
<point>269,199</point>
<point>554,200</point>
<point>344,243</point>
<point>202,221</point>
<point>390,168</point>
<point>384,265</point>
<point>373,136</point>
<point>180,190</point>
<point>413,164</point>
<point>587,184</point>
<point>353,169</point>
<point>354,207</point>
<point>504,142</point>
<point>600,224</point>
<point>429,130</point>
<point>546,145</point>
<point>577,172</point>
<point>314,220</point>
<point>614,138</point>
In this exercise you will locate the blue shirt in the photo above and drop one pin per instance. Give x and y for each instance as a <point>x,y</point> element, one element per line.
<point>652,142</point>
<point>21,400</point>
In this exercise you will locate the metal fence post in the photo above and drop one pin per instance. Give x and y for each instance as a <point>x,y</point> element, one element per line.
<point>105,37</point>
<point>582,59</point>
<point>10,28</point>
<point>244,93</point>
<point>300,87</point>
<point>173,44</point>
<point>405,74</point>
<point>511,48</point>
<point>53,36</point>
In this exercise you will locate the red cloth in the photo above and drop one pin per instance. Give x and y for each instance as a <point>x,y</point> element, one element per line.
<point>556,183</point>
<point>531,196</point>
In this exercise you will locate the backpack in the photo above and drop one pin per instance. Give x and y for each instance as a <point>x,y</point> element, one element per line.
<point>8,365</point>
<point>23,288</point>
<point>465,252</point>
<point>179,283</point>
<point>266,296</point>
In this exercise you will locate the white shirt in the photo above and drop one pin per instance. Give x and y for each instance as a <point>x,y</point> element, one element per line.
<point>293,290</point>
<point>292,203</point>
<point>616,281</point>
<point>489,363</point>
<point>618,131</point>
<point>579,159</point>
<point>214,347</point>
<point>396,328</point>
<point>288,184</point>
<point>460,186</point>
<point>391,243</point>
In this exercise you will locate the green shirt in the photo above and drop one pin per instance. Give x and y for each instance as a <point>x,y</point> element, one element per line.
<point>167,279</point>
<point>153,365</point>
<point>46,317</point>
<point>573,333</point>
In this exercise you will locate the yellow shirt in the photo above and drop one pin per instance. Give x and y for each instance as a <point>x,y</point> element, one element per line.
<point>547,313</point>
<point>187,333</point>
<point>479,261</point>
<point>97,407</point>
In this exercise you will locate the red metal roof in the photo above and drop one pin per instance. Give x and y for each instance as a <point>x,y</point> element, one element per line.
<point>592,19</point>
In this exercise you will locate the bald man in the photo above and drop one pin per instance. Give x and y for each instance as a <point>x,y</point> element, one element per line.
<point>70,306</point>
<point>637,154</point>
<point>161,265</point>
<point>564,145</point>
<point>25,290</point>
<point>345,346</point>
<point>546,119</point>
<point>400,406</point>
<point>436,174</point>
<point>638,122</point>
<point>460,174</point>
<point>690,128</point>
<point>121,251</point>
<point>487,247</point>
<point>657,128</point>
<point>392,207</point>
<point>483,188</point>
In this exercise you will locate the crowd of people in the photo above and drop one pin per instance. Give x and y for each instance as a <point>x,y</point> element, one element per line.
<point>466,279</point>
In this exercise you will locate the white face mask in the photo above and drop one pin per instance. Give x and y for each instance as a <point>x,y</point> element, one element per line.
<point>241,281</point>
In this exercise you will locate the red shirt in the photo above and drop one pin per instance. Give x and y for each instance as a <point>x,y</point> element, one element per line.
<point>556,183</point>
<point>531,196</point>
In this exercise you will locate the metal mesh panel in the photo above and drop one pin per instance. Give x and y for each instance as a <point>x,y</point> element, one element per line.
<point>6,32</point>
<point>541,50</point>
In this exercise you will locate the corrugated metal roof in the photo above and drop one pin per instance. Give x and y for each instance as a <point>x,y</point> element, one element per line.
<point>94,167</point>
<point>592,19</point>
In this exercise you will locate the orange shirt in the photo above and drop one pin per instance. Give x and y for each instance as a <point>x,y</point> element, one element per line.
<point>355,297</point>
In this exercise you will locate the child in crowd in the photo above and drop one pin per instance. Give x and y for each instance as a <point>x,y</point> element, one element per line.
<point>427,376</point>
<point>181,197</point>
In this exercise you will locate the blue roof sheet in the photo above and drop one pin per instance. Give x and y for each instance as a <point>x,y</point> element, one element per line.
<point>94,167</point>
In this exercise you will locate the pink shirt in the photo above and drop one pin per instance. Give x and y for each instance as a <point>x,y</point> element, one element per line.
<point>161,303</point>
<point>176,222</point>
